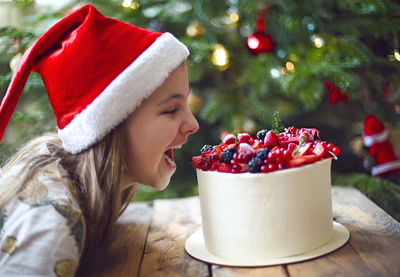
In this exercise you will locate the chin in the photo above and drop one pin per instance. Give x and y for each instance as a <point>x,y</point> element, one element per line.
<point>161,183</point>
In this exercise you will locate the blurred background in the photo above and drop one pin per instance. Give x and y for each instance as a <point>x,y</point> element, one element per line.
<point>326,64</point>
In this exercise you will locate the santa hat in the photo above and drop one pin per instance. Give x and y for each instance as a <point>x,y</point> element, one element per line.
<point>376,138</point>
<point>96,71</point>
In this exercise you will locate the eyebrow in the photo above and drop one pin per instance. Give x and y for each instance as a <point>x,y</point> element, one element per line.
<point>169,98</point>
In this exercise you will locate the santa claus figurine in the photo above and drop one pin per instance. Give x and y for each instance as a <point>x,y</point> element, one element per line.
<point>376,139</point>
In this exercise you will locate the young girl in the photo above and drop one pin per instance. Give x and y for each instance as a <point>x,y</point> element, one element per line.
<point>119,94</point>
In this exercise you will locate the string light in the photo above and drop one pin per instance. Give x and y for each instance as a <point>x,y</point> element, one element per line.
<point>290,66</point>
<point>195,29</point>
<point>234,17</point>
<point>293,57</point>
<point>130,4</point>
<point>396,55</point>
<point>275,73</point>
<point>220,57</point>
<point>318,41</point>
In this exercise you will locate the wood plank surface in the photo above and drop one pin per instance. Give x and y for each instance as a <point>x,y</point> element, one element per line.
<point>173,222</point>
<point>124,257</point>
<point>374,245</point>
<point>150,239</point>
<point>272,271</point>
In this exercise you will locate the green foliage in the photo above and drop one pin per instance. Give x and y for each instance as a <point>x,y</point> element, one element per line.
<point>384,193</point>
<point>277,125</point>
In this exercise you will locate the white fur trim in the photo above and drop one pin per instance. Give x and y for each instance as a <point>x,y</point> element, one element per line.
<point>382,168</point>
<point>124,94</point>
<point>376,138</point>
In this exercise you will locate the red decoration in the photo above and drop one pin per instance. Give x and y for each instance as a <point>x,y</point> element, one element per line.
<point>376,139</point>
<point>335,94</point>
<point>259,41</point>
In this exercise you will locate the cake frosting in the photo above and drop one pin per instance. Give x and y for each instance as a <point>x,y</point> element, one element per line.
<point>273,215</point>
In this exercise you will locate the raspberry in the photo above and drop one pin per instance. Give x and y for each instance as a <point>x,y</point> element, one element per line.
<point>197,162</point>
<point>262,153</point>
<point>227,155</point>
<point>206,148</point>
<point>255,164</point>
<point>244,138</point>
<point>229,139</point>
<point>224,167</point>
<point>245,153</point>
<point>261,134</point>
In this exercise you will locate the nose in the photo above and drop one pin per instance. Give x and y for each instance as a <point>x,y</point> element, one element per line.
<point>190,125</point>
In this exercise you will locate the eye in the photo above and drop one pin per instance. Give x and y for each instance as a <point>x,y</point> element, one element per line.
<point>171,111</point>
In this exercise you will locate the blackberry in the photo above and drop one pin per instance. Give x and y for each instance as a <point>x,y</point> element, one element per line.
<point>206,148</point>
<point>227,155</point>
<point>262,153</point>
<point>261,134</point>
<point>255,164</point>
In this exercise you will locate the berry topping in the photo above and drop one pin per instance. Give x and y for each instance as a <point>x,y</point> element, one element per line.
<point>270,139</point>
<point>261,134</point>
<point>262,153</point>
<point>255,164</point>
<point>229,139</point>
<point>227,155</point>
<point>244,138</point>
<point>268,152</point>
<point>319,150</point>
<point>245,153</point>
<point>206,148</point>
<point>224,167</point>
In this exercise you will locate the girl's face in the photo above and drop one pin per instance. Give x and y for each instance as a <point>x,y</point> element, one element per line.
<point>160,124</point>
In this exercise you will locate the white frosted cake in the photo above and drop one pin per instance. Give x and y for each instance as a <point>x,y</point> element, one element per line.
<point>267,197</point>
<point>272,215</point>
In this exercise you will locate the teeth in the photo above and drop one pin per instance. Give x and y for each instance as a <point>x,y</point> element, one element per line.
<point>177,147</point>
<point>169,161</point>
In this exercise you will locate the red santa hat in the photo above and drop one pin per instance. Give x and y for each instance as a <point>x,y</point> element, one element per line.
<point>376,138</point>
<point>96,71</point>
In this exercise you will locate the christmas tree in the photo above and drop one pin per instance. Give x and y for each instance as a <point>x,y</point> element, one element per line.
<point>319,63</point>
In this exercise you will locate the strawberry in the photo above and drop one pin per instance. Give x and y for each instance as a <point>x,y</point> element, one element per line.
<point>289,140</point>
<point>291,147</point>
<point>306,137</point>
<point>257,145</point>
<point>270,139</point>
<point>303,150</point>
<point>319,150</point>
<point>298,161</point>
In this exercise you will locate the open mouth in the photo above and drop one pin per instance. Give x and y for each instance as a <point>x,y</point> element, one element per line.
<point>169,155</point>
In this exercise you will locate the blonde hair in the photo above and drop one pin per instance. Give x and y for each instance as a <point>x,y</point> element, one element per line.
<point>96,175</point>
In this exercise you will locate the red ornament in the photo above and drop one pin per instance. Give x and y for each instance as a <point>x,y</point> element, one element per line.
<point>259,41</point>
<point>335,94</point>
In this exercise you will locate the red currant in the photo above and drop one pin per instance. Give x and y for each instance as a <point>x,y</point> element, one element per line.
<point>336,150</point>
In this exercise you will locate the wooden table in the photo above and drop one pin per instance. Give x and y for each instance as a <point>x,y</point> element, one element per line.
<point>150,239</point>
